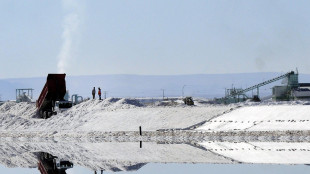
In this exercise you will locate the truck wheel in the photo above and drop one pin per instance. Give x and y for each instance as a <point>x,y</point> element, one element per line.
<point>45,115</point>
<point>50,114</point>
<point>41,114</point>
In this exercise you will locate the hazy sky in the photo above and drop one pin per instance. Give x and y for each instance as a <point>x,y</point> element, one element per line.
<point>159,37</point>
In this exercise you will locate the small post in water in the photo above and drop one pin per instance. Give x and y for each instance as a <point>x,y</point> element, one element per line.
<point>140,130</point>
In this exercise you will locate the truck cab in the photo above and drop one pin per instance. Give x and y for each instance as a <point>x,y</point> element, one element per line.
<point>61,106</point>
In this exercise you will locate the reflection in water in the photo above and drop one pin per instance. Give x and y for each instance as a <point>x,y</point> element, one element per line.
<point>125,168</point>
<point>55,157</point>
<point>49,164</point>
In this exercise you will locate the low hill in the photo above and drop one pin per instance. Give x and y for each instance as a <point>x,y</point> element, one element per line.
<point>197,85</point>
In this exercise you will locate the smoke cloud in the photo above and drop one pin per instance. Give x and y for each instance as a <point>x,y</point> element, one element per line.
<point>71,23</point>
<point>260,63</point>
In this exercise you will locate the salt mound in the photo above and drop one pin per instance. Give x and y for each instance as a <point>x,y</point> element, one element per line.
<point>13,122</point>
<point>170,103</point>
<point>95,105</point>
<point>22,109</point>
<point>126,101</point>
<point>112,100</point>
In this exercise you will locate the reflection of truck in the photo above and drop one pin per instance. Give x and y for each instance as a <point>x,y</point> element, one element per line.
<point>53,91</point>
<point>49,164</point>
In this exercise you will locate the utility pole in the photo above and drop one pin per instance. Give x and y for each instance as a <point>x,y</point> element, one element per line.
<point>183,90</point>
<point>163,93</point>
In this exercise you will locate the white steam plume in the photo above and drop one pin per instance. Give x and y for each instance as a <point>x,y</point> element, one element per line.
<point>71,24</point>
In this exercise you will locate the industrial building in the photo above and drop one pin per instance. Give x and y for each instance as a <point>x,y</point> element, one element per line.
<point>24,95</point>
<point>290,89</point>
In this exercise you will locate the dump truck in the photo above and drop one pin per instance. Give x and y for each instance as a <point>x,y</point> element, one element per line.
<point>53,91</point>
<point>188,101</point>
<point>49,164</point>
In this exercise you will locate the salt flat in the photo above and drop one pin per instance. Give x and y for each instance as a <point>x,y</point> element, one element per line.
<point>262,118</point>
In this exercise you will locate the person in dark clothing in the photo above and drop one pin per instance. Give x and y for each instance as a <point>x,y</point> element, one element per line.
<point>99,93</point>
<point>94,92</point>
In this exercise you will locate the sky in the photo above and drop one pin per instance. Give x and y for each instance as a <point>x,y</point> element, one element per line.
<point>159,37</point>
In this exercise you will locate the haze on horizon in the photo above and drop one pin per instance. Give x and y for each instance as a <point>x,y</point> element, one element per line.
<point>159,37</point>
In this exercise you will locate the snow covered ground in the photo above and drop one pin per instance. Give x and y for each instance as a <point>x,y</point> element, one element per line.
<point>262,118</point>
<point>112,114</point>
<point>120,114</point>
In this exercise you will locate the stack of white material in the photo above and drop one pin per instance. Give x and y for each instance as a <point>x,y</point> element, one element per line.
<point>262,118</point>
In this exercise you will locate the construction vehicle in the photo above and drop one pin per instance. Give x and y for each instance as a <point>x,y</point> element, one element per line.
<point>49,164</point>
<point>188,101</point>
<point>53,91</point>
<point>256,98</point>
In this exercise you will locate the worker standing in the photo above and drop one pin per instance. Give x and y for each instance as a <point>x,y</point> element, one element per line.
<point>94,92</point>
<point>99,93</point>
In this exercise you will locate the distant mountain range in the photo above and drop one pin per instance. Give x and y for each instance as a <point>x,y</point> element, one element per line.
<point>197,85</point>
